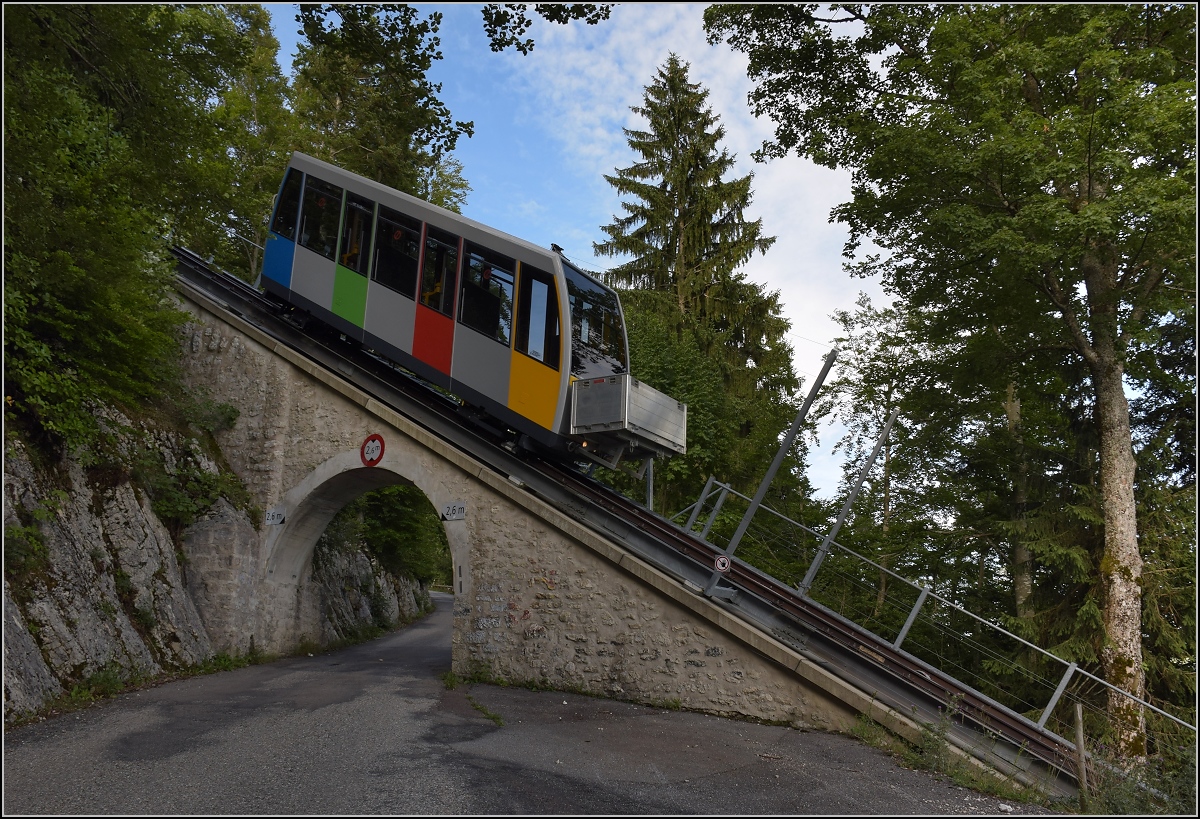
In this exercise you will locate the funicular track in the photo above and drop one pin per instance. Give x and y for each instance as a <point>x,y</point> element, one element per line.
<point>1000,739</point>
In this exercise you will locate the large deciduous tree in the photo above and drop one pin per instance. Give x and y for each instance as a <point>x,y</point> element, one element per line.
<point>260,131</point>
<point>110,149</point>
<point>1026,167</point>
<point>362,87</point>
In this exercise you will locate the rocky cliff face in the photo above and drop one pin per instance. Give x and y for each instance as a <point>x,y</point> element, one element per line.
<point>95,583</point>
<point>92,582</point>
<point>356,593</point>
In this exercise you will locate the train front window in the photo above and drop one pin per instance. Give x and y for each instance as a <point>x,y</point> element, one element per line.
<point>538,334</point>
<point>319,217</point>
<point>440,273</point>
<point>355,249</point>
<point>397,251</point>
<point>287,208</point>
<point>487,293</point>
<point>597,329</point>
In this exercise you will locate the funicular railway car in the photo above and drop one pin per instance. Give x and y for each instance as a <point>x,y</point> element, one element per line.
<point>473,310</point>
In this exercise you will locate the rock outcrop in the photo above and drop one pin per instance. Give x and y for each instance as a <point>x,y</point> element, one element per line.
<point>92,583</point>
<point>97,587</point>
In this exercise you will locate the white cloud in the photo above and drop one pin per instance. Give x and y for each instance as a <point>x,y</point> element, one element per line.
<point>549,127</point>
<point>584,79</point>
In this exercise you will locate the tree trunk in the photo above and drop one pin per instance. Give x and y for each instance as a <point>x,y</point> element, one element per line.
<point>1022,558</point>
<point>885,554</point>
<point>1121,563</point>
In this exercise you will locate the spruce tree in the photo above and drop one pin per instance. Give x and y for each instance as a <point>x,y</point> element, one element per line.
<point>684,225</point>
<point>692,315</point>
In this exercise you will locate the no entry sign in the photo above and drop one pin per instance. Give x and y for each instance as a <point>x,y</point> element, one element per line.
<point>722,564</point>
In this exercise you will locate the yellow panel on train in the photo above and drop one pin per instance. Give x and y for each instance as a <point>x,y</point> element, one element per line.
<point>533,390</point>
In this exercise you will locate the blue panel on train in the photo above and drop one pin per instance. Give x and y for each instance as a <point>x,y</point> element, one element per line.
<point>277,259</point>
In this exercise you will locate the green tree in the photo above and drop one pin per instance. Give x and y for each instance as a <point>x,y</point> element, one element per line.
<point>362,87</point>
<point>261,131</point>
<point>684,227</point>
<point>110,148</point>
<point>683,237</point>
<point>1031,161</point>
<point>441,182</point>
<point>506,23</point>
<point>400,528</point>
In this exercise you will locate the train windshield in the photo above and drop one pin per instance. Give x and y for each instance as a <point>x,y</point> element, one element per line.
<point>597,329</point>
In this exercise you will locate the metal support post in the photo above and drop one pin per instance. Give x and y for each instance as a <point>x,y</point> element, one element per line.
<point>1062,686</point>
<point>912,617</point>
<point>699,503</point>
<point>650,484</point>
<point>712,518</point>
<point>823,550</point>
<point>784,448</point>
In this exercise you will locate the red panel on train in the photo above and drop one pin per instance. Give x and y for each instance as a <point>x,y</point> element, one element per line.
<point>433,340</point>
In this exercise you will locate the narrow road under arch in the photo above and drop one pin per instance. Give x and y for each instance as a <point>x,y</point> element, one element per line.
<point>373,729</point>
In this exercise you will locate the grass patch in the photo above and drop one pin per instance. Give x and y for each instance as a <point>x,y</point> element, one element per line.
<point>932,753</point>
<point>481,708</point>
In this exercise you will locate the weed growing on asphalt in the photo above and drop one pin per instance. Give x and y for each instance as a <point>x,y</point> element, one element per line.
<point>481,708</point>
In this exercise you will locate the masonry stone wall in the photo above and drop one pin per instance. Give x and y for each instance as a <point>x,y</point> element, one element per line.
<point>539,598</point>
<point>547,607</point>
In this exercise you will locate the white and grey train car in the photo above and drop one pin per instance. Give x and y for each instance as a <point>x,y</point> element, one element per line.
<point>471,309</point>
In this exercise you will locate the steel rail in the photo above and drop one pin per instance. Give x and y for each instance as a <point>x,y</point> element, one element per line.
<point>987,714</point>
<point>1009,742</point>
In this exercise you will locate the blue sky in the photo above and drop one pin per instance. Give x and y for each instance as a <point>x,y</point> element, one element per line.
<point>548,126</point>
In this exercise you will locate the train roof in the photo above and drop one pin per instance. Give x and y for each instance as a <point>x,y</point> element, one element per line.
<point>425,209</point>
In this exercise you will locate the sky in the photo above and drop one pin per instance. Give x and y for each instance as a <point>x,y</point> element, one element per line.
<point>548,127</point>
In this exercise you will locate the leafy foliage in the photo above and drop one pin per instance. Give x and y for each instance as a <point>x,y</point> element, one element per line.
<point>362,89</point>
<point>506,23</point>
<point>699,330</point>
<point>101,100</point>
<point>400,528</point>
<point>1030,173</point>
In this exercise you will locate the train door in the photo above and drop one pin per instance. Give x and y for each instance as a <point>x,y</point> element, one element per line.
<point>536,374</point>
<point>433,333</point>
<point>280,249</point>
<point>392,290</point>
<point>314,268</point>
<point>483,335</point>
<point>349,303</point>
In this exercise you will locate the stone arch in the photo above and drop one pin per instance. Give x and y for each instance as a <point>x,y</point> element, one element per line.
<point>307,510</point>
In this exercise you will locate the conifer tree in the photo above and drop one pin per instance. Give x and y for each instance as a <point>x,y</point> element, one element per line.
<point>683,238</point>
<point>683,225</point>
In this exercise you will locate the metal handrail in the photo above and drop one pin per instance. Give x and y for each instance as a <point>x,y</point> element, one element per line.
<point>924,592</point>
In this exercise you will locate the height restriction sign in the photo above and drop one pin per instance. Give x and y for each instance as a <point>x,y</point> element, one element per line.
<point>372,450</point>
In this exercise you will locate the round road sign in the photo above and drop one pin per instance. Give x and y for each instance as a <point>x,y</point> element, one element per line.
<point>722,563</point>
<point>372,450</point>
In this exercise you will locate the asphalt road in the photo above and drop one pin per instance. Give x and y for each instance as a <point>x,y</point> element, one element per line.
<point>373,730</point>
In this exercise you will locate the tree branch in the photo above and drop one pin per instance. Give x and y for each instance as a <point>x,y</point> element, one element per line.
<point>1063,303</point>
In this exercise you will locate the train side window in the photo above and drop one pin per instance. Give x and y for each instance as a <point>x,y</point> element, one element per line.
<point>355,249</point>
<point>287,209</point>
<point>319,217</point>
<point>487,293</point>
<point>440,272</point>
<point>538,333</point>
<point>397,251</point>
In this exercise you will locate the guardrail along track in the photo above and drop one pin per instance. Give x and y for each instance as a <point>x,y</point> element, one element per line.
<point>1008,742</point>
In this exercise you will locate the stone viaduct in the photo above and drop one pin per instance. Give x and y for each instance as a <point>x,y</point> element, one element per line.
<point>539,598</point>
